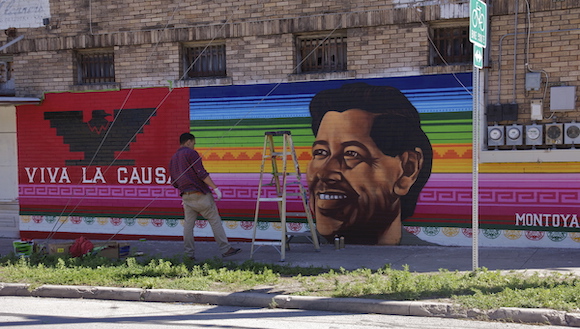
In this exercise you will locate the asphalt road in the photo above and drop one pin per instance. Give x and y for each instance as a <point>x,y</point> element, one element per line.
<point>418,258</point>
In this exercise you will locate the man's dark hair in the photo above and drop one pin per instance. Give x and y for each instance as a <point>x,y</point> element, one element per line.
<point>185,137</point>
<point>395,130</point>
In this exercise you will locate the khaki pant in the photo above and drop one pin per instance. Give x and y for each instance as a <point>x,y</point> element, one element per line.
<point>202,204</point>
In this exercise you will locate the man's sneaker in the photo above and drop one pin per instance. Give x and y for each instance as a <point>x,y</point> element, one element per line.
<point>231,252</point>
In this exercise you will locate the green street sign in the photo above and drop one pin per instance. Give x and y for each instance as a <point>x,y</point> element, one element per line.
<point>478,22</point>
<point>477,56</point>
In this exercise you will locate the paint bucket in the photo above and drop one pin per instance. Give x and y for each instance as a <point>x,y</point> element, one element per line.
<point>23,248</point>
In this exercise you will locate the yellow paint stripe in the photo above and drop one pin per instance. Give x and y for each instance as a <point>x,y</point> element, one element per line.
<point>447,158</point>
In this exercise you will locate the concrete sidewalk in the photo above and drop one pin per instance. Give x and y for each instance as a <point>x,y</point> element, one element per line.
<point>417,258</point>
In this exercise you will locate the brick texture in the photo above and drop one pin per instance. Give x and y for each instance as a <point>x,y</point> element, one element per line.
<point>385,38</point>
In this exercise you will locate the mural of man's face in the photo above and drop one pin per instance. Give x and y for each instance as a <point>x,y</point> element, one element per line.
<point>354,187</point>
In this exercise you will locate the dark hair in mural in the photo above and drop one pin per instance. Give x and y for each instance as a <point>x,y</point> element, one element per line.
<point>395,130</point>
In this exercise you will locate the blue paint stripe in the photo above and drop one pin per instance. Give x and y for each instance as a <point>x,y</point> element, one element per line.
<point>291,100</point>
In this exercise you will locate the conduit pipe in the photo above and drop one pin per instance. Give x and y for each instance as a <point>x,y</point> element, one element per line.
<point>500,52</point>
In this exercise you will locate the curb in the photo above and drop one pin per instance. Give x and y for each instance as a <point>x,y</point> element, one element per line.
<point>249,299</point>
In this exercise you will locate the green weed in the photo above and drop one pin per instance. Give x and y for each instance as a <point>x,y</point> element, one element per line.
<point>481,289</point>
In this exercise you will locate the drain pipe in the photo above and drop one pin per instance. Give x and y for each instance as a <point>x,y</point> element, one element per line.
<point>515,36</point>
<point>516,11</point>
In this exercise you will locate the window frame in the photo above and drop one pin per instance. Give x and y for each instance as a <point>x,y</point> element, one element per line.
<point>456,49</point>
<point>211,60</point>
<point>6,76</point>
<point>102,70</point>
<point>331,53</point>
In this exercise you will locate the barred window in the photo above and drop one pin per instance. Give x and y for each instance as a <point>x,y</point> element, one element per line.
<point>452,46</point>
<point>321,54</point>
<point>6,76</point>
<point>5,71</point>
<point>95,67</point>
<point>204,61</point>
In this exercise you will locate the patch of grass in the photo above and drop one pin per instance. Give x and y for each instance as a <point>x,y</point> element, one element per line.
<point>481,289</point>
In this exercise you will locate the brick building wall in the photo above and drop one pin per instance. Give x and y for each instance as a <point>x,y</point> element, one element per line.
<point>548,43</point>
<point>259,36</point>
<point>384,39</point>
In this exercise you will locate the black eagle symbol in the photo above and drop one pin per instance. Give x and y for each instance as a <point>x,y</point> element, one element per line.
<point>87,136</point>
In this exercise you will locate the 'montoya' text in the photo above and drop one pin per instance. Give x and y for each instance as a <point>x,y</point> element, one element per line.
<point>92,175</point>
<point>547,220</point>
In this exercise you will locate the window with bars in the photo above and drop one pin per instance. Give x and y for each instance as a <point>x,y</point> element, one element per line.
<point>6,76</point>
<point>321,54</point>
<point>451,45</point>
<point>204,61</point>
<point>95,67</point>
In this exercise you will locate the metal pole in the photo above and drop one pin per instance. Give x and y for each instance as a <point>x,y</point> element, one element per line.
<point>475,169</point>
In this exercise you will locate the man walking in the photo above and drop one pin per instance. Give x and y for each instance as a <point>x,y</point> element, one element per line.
<point>193,182</point>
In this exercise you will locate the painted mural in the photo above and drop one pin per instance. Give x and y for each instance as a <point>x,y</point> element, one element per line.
<point>96,163</point>
<point>370,160</point>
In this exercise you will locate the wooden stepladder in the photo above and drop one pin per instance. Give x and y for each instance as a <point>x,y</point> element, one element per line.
<point>283,181</point>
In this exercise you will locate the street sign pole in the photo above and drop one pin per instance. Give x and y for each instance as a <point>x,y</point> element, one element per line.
<point>477,36</point>
<point>477,56</point>
<point>475,173</point>
<point>478,23</point>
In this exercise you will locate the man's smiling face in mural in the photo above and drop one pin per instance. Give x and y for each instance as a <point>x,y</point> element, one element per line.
<point>356,187</point>
<point>351,179</point>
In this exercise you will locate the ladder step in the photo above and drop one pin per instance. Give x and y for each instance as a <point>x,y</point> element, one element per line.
<point>271,199</point>
<point>278,133</point>
<point>278,174</point>
<point>306,234</point>
<point>295,214</point>
<point>267,243</point>
<point>276,154</point>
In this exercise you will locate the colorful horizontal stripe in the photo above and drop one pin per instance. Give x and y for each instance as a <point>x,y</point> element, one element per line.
<point>428,93</point>
<point>543,202</point>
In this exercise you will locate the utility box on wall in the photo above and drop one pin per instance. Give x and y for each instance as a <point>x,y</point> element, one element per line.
<point>537,111</point>
<point>554,134</point>
<point>502,112</point>
<point>562,98</point>
<point>495,135</point>
<point>514,135</point>
<point>572,133</point>
<point>534,134</point>
<point>533,81</point>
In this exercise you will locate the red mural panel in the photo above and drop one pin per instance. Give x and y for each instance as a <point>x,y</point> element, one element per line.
<point>101,153</point>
